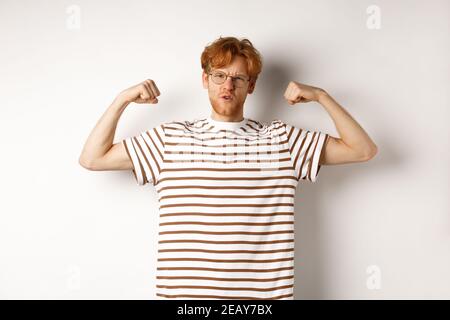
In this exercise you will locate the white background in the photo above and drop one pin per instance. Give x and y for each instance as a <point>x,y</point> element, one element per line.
<point>69,233</point>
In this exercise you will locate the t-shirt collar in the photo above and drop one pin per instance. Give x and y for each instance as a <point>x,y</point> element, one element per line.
<point>226,125</point>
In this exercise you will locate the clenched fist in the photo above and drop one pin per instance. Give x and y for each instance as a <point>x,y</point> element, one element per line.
<point>144,92</point>
<point>297,92</point>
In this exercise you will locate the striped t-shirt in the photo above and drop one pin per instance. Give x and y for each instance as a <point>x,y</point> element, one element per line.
<point>226,204</point>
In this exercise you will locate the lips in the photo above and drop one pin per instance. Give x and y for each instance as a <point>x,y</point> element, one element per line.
<point>227,97</point>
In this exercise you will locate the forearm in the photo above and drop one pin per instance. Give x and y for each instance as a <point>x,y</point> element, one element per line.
<point>101,138</point>
<point>350,132</point>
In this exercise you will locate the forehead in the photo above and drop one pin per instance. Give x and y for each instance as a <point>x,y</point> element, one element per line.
<point>237,66</point>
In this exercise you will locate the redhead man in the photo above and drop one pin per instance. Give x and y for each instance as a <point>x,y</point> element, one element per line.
<point>226,183</point>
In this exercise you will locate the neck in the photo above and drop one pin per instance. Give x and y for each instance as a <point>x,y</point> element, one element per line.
<point>232,118</point>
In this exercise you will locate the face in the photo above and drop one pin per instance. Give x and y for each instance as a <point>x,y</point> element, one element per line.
<point>232,108</point>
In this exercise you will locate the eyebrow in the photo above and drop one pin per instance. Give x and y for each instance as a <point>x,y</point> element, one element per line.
<point>239,74</point>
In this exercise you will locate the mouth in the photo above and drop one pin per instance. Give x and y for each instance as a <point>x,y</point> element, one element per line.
<point>226,98</point>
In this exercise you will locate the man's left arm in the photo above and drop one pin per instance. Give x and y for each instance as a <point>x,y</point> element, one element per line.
<point>353,145</point>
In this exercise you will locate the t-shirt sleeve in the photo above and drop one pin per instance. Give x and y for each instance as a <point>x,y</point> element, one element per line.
<point>306,148</point>
<point>146,152</point>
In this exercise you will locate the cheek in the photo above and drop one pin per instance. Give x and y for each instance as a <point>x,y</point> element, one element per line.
<point>214,95</point>
<point>212,91</point>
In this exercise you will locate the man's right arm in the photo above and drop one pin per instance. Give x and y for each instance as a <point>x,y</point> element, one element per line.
<point>99,153</point>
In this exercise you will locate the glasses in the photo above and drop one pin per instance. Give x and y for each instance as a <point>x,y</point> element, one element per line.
<point>219,77</point>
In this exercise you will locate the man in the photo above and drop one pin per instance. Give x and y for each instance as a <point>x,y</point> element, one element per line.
<point>226,183</point>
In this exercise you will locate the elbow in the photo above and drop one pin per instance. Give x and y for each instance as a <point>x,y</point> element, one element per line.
<point>371,153</point>
<point>85,163</point>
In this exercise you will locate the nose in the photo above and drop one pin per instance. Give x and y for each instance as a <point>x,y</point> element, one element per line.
<point>229,84</point>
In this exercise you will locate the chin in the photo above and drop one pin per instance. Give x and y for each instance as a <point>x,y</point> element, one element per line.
<point>225,109</point>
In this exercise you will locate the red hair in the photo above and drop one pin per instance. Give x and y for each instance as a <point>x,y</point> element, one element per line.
<point>221,52</point>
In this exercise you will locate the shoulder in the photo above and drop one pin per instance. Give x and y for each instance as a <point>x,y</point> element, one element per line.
<point>269,126</point>
<point>192,125</point>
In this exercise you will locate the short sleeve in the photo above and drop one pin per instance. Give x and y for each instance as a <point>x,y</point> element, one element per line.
<point>146,152</point>
<point>306,148</point>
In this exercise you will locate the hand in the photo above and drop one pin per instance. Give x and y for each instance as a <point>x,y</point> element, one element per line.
<point>297,92</point>
<point>144,92</point>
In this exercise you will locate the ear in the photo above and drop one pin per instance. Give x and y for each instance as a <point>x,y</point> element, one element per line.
<point>251,86</point>
<point>205,80</point>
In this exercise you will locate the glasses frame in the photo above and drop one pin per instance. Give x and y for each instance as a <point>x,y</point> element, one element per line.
<point>226,78</point>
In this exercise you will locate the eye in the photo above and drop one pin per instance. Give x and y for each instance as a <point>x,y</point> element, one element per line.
<point>219,75</point>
